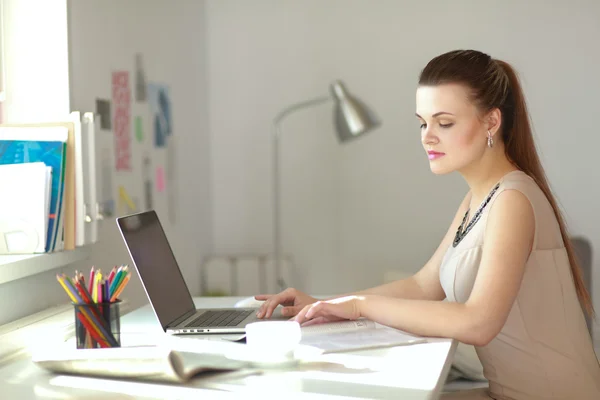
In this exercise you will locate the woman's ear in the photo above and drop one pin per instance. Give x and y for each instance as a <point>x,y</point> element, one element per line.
<point>493,120</point>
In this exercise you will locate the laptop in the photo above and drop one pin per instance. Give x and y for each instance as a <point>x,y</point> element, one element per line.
<point>165,287</point>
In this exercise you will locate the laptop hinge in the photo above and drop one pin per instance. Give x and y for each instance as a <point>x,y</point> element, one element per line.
<point>182,318</point>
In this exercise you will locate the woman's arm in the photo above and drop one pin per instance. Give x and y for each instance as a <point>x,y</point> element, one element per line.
<point>425,284</point>
<point>508,239</point>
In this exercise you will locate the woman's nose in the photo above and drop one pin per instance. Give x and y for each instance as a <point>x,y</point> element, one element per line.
<point>427,137</point>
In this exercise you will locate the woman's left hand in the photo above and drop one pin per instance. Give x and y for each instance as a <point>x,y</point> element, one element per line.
<point>331,310</point>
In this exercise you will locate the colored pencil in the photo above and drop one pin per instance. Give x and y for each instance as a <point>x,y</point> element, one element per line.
<point>120,288</point>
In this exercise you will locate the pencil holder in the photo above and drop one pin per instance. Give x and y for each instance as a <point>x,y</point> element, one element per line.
<point>98,325</point>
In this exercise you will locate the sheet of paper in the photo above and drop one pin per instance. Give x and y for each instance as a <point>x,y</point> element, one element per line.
<point>337,327</point>
<point>121,92</point>
<point>364,335</point>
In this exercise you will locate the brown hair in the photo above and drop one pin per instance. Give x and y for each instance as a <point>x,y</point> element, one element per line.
<point>494,84</point>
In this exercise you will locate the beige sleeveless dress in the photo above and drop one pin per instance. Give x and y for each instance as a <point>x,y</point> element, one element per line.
<point>544,350</point>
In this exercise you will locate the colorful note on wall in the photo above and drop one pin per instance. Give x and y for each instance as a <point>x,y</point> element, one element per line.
<point>139,129</point>
<point>160,179</point>
<point>160,111</point>
<point>127,204</point>
<point>121,94</point>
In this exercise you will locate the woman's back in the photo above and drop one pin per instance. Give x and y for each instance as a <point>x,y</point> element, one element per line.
<point>544,349</point>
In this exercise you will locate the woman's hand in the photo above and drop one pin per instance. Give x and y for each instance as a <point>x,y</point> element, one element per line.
<point>331,310</point>
<point>291,299</point>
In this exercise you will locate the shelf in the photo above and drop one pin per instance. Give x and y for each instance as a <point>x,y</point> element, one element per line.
<point>13,267</point>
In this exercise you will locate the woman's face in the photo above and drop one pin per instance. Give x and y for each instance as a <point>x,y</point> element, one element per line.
<point>452,133</point>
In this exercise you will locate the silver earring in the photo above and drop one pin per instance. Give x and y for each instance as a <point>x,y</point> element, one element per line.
<point>490,140</point>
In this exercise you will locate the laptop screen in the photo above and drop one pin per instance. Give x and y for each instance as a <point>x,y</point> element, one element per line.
<point>156,266</point>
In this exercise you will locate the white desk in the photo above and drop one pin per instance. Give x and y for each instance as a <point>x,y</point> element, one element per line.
<point>404,372</point>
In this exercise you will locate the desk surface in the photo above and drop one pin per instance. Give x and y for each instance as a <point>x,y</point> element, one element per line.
<point>408,372</point>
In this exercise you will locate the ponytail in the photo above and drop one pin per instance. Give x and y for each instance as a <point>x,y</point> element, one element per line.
<point>520,150</point>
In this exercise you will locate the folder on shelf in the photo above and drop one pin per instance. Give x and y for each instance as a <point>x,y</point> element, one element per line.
<point>24,207</point>
<point>25,144</point>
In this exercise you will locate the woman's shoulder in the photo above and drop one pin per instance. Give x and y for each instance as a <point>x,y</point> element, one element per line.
<point>522,182</point>
<point>518,178</point>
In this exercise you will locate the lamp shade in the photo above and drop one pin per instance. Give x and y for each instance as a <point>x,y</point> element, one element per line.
<point>352,117</point>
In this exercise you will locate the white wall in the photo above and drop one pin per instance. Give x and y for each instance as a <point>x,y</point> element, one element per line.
<point>105,35</point>
<point>35,60</point>
<point>352,213</point>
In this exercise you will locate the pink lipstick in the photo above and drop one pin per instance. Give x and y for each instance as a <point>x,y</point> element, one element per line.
<point>434,155</point>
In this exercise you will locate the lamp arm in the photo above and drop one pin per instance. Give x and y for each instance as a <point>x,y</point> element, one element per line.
<point>299,106</point>
<point>276,179</point>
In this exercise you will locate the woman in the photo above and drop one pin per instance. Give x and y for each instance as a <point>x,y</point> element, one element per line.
<point>506,265</point>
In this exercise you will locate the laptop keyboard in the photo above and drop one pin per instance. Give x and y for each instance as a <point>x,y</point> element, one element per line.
<point>220,318</point>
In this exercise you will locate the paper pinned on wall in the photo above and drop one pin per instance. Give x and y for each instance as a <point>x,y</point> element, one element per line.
<point>125,198</point>
<point>140,79</point>
<point>107,202</point>
<point>160,112</point>
<point>122,119</point>
<point>160,179</point>
<point>147,174</point>
<point>103,112</point>
<point>139,129</point>
<point>126,203</point>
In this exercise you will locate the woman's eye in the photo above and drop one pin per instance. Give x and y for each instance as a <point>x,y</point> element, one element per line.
<point>423,126</point>
<point>446,125</point>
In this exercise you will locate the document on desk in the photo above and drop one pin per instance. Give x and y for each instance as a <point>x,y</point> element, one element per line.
<point>149,363</point>
<point>355,335</point>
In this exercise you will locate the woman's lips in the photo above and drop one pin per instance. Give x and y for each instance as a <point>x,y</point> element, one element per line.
<point>433,155</point>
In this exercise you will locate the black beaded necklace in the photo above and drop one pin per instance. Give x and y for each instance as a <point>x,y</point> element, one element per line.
<point>462,230</point>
